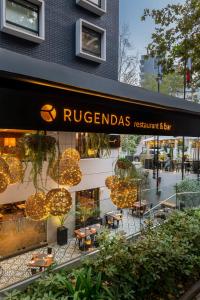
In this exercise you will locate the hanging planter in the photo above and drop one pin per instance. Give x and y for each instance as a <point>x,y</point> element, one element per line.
<point>124,164</point>
<point>38,148</point>
<point>124,168</point>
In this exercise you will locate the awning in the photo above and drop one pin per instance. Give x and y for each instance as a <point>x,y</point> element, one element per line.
<point>99,104</point>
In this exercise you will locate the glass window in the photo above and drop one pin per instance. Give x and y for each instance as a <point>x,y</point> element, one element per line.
<point>83,146</point>
<point>95,2</point>
<point>23,14</point>
<point>87,207</point>
<point>91,41</point>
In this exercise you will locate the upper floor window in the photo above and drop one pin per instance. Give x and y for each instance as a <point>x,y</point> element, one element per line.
<point>90,41</point>
<point>23,14</point>
<point>96,6</point>
<point>24,19</point>
<point>95,2</point>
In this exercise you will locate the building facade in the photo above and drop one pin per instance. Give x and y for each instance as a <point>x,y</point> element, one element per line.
<point>82,35</point>
<point>47,31</point>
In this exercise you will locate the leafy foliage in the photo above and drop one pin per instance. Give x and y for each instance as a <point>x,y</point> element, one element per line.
<point>129,143</point>
<point>191,188</point>
<point>176,36</point>
<point>171,84</point>
<point>161,264</point>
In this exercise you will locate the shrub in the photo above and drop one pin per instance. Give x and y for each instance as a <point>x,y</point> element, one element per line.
<point>161,264</point>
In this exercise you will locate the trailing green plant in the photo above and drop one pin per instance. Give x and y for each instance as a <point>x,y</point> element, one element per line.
<point>97,142</point>
<point>37,148</point>
<point>161,264</point>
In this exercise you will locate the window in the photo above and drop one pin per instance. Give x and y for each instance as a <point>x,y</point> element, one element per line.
<point>95,2</point>
<point>96,6</point>
<point>85,150</point>
<point>24,19</point>
<point>87,207</point>
<point>90,41</point>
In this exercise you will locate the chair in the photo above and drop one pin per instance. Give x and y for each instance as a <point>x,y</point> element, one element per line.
<point>49,250</point>
<point>109,221</point>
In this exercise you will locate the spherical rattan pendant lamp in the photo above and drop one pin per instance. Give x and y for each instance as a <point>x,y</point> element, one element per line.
<point>72,153</point>
<point>15,169</point>
<point>125,195</point>
<point>60,201</point>
<point>66,171</point>
<point>37,206</point>
<point>112,182</point>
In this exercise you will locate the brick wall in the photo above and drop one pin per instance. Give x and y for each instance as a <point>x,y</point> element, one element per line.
<point>59,44</point>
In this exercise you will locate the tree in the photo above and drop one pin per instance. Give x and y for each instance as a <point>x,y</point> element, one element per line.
<point>171,83</point>
<point>128,62</point>
<point>129,143</point>
<point>177,36</point>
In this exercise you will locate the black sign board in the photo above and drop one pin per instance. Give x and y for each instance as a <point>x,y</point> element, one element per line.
<point>27,106</point>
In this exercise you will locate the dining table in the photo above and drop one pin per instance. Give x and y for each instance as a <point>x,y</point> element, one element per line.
<point>41,261</point>
<point>139,207</point>
<point>116,216</point>
<point>87,233</point>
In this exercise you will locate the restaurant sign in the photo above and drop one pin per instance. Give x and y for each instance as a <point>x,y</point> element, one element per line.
<point>44,108</point>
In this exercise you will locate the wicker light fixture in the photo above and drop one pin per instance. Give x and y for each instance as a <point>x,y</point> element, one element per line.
<point>72,153</point>
<point>15,169</point>
<point>112,182</point>
<point>37,207</point>
<point>4,168</point>
<point>125,195</point>
<point>4,175</point>
<point>60,201</point>
<point>66,172</point>
<point>4,181</point>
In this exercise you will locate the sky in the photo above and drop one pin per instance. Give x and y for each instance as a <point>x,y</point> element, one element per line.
<point>131,12</point>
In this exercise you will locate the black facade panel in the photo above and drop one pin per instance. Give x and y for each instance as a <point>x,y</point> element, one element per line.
<point>59,44</point>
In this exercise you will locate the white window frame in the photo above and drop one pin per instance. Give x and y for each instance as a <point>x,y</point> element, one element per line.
<point>79,51</point>
<point>92,7</point>
<point>19,32</point>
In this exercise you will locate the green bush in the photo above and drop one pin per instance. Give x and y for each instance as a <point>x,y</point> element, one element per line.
<point>161,264</point>
<point>188,200</point>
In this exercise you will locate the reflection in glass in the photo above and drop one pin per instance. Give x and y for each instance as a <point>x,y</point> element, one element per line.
<point>23,14</point>
<point>91,41</point>
<point>95,2</point>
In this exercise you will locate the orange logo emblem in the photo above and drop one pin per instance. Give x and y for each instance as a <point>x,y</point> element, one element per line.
<point>48,113</point>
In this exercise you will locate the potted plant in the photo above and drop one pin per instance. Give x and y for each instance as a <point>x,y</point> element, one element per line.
<point>62,231</point>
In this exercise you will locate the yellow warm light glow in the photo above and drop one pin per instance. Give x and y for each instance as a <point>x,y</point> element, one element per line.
<point>10,142</point>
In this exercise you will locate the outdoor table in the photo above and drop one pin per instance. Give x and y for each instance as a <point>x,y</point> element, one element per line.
<point>40,261</point>
<point>139,207</point>
<point>116,216</point>
<point>83,233</point>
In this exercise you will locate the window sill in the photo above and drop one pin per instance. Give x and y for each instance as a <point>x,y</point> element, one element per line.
<point>21,34</point>
<point>92,7</point>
